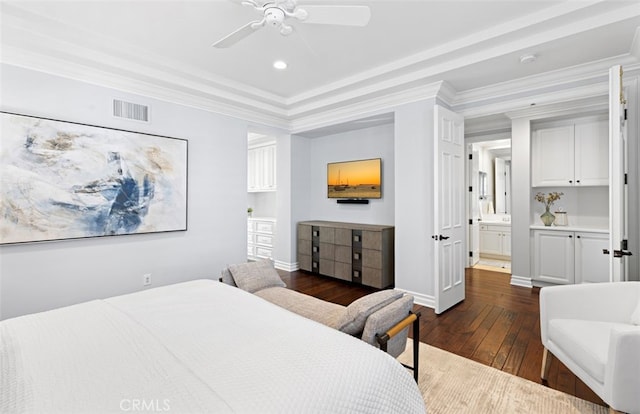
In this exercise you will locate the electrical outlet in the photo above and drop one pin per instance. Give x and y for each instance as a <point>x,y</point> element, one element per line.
<point>146,279</point>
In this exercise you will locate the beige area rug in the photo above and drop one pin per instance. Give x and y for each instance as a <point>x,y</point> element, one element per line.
<point>452,384</point>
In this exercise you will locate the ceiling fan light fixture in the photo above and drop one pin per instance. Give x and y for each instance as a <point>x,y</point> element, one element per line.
<point>300,14</point>
<point>280,64</point>
<point>285,29</point>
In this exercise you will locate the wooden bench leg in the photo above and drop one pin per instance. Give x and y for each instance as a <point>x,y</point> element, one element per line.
<point>546,363</point>
<point>612,411</point>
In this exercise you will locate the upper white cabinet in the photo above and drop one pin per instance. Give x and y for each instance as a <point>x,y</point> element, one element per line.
<point>262,168</point>
<point>571,155</point>
<point>592,153</point>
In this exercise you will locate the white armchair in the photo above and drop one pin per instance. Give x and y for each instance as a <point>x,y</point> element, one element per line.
<point>589,329</point>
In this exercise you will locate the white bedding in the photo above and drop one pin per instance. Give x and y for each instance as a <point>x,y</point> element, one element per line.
<point>197,347</point>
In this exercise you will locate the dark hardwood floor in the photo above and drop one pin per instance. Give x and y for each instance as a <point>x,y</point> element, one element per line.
<point>497,325</point>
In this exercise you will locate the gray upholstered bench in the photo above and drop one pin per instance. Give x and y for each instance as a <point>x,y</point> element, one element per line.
<point>381,319</point>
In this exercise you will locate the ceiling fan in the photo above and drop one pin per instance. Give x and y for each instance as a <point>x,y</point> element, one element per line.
<point>276,12</point>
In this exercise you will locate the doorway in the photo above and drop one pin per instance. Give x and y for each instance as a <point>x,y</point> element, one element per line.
<point>489,176</point>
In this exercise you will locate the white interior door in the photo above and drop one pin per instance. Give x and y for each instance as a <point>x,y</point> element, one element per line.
<point>449,208</point>
<point>617,171</point>
<point>473,236</point>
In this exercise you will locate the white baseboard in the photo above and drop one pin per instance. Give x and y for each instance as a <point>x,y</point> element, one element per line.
<point>420,298</point>
<point>287,267</point>
<point>521,281</point>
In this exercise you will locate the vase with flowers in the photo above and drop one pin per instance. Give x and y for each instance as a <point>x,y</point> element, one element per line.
<point>547,217</point>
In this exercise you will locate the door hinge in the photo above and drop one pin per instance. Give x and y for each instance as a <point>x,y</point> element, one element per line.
<point>470,156</point>
<point>470,254</point>
<point>470,221</point>
<point>470,189</point>
<point>625,114</point>
<point>624,244</point>
<point>625,178</point>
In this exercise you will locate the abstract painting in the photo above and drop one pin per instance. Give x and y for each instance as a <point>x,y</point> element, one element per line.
<point>64,180</point>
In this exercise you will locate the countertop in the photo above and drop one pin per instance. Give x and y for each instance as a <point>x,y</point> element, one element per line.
<point>578,228</point>
<point>495,223</point>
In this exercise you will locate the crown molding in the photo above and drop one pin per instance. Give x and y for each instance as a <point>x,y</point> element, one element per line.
<point>367,107</point>
<point>184,94</point>
<point>558,79</point>
<point>599,103</point>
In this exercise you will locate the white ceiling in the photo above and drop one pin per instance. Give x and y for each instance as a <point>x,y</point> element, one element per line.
<point>164,48</point>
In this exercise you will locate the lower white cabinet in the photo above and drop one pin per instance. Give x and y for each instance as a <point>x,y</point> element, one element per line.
<point>495,240</point>
<point>260,237</point>
<point>592,266</point>
<point>567,257</point>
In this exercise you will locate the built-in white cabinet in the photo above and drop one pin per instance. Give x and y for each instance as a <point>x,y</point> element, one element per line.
<point>495,240</point>
<point>260,238</point>
<point>567,257</point>
<point>261,171</point>
<point>571,155</point>
<point>592,266</point>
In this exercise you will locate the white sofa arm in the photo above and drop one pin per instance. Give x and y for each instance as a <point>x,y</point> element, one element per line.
<point>607,302</point>
<point>622,375</point>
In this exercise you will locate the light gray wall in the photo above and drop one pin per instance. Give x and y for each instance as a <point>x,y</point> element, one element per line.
<point>300,178</point>
<point>414,195</point>
<point>520,198</point>
<point>284,244</point>
<point>41,276</point>
<point>375,142</point>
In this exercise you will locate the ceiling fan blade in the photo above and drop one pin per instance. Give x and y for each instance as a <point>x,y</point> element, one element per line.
<point>337,14</point>
<point>238,35</point>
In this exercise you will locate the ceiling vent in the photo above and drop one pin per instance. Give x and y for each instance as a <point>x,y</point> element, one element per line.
<point>130,110</point>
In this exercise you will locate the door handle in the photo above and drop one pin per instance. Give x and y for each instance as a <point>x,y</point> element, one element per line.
<point>620,253</point>
<point>441,237</point>
<point>617,253</point>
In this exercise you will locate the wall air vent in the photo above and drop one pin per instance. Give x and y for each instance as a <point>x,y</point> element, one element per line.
<point>130,110</point>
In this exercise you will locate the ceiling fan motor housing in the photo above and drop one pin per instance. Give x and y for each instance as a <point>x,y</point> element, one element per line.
<point>274,16</point>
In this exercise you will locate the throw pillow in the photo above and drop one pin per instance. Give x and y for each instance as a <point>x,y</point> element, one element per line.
<point>255,276</point>
<point>227,278</point>
<point>635,316</point>
<point>355,315</point>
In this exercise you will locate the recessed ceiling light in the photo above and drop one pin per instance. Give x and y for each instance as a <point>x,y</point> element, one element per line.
<point>528,58</point>
<point>280,64</point>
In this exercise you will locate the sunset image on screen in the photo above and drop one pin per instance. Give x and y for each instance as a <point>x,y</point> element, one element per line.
<point>354,179</point>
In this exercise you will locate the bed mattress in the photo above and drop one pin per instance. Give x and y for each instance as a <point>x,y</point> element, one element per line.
<point>194,347</point>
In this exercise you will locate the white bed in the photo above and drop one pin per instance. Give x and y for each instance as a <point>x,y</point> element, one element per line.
<point>193,347</point>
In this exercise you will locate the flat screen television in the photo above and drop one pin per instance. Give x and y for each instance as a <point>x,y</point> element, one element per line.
<point>359,179</point>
